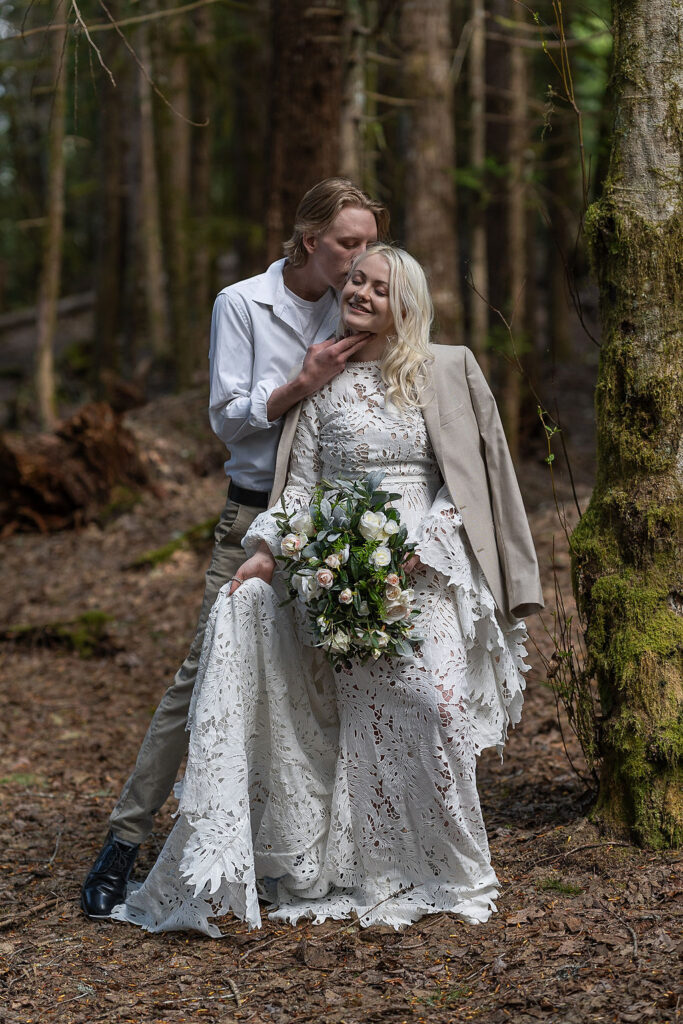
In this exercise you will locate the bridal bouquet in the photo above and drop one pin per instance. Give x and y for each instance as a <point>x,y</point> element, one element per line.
<point>343,557</point>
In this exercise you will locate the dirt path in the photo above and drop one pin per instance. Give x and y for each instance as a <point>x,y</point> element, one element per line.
<point>587,930</point>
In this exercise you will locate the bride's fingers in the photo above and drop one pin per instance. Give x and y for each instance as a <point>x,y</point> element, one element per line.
<point>412,563</point>
<point>234,584</point>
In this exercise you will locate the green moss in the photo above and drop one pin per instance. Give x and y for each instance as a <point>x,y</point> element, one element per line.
<point>197,536</point>
<point>122,499</point>
<point>557,885</point>
<point>86,635</point>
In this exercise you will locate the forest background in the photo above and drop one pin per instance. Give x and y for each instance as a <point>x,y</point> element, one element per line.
<point>150,155</point>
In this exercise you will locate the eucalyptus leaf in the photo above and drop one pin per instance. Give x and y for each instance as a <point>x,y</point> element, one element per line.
<point>374,479</point>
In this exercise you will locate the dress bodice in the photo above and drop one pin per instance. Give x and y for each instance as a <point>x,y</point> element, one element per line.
<point>360,432</point>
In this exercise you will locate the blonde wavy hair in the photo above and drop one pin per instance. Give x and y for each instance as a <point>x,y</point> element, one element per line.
<point>408,352</point>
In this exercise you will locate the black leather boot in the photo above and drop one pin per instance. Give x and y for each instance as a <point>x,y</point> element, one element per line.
<point>105,885</point>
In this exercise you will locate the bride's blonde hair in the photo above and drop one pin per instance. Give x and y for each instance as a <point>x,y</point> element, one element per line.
<point>407,355</point>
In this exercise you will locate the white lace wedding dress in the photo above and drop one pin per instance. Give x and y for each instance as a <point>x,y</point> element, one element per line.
<point>330,794</point>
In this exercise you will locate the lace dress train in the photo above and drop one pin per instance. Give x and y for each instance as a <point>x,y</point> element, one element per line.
<point>336,794</point>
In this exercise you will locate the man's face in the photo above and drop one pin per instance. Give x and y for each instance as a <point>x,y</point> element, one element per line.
<point>330,255</point>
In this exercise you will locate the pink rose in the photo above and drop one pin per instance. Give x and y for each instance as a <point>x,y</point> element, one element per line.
<point>325,578</point>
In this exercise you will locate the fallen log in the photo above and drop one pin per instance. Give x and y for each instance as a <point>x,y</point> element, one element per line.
<point>60,480</point>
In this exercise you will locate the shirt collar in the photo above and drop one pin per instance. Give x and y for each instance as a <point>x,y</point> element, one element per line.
<point>271,292</point>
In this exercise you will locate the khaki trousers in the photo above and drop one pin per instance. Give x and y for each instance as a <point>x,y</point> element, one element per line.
<point>166,741</point>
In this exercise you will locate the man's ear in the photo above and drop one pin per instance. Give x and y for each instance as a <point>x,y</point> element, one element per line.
<point>310,243</point>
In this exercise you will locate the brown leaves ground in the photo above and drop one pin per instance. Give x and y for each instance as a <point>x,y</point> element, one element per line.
<point>587,929</point>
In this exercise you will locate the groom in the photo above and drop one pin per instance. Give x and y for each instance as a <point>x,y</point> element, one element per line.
<point>261,329</point>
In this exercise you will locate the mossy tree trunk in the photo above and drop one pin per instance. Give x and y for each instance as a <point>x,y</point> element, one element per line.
<point>627,551</point>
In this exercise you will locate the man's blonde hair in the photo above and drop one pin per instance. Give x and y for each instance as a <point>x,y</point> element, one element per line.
<point>320,206</point>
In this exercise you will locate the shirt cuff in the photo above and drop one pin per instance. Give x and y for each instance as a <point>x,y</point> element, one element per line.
<point>258,413</point>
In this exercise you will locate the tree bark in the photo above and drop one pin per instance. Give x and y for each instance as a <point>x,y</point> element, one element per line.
<point>306,92</point>
<point>111,215</point>
<point>176,145</point>
<point>352,148</point>
<point>516,238</point>
<point>627,549</point>
<point>430,226</point>
<point>201,249</point>
<point>150,225</point>
<point>479,312</point>
<point>52,246</point>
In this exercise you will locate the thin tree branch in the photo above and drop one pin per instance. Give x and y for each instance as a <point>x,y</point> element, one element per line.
<point>143,69</point>
<point>138,19</point>
<point>79,19</point>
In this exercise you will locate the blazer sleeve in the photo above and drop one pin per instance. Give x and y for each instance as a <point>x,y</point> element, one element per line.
<point>515,543</point>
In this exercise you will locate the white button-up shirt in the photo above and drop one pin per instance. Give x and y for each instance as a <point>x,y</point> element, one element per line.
<point>256,346</point>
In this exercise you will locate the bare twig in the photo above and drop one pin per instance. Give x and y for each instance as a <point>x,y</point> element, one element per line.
<point>54,852</point>
<point>235,991</point>
<point>7,922</point>
<point>79,19</point>
<point>138,19</point>
<point>145,72</point>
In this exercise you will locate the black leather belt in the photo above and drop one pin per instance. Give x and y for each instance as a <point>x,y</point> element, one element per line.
<point>243,496</point>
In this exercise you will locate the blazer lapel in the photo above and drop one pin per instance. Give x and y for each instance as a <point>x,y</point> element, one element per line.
<point>430,412</point>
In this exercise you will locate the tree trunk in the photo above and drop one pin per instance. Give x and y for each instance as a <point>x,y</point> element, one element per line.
<point>52,250</point>
<point>352,148</point>
<point>479,312</point>
<point>627,550</point>
<point>306,101</point>
<point>149,214</point>
<point>200,190</point>
<point>516,238</point>
<point>111,219</point>
<point>430,157</point>
<point>176,146</point>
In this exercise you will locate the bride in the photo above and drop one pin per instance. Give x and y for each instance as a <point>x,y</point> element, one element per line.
<point>329,795</point>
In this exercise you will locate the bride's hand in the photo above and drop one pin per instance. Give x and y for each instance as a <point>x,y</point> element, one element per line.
<point>412,564</point>
<point>260,566</point>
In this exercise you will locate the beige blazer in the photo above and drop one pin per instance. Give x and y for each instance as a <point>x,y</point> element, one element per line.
<point>467,436</point>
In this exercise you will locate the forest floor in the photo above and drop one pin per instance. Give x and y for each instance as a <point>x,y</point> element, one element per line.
<point>588,926</point>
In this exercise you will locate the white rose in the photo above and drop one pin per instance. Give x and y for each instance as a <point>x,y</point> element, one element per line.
<point>302,523</point>
<point>322,623</point>
<point>395,612</point>
<point>344,554</point>
<point>306,586</point>
<point>393,579</point>
<point>292,544</point>
<point>380,557</point>
<point>339,643</point>
<point>371,524</point>
<point>333,560</point>
<point>325,578</point>
<point>390,527</point>
<point>346,596</point>
<point>392,593</point>
<point>382,639</point>
<point>407,597</point>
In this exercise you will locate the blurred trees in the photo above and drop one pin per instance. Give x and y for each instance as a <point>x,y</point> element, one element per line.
<point>184,174</point>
